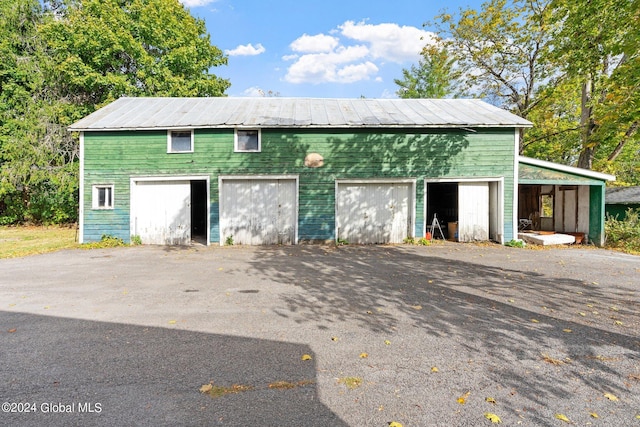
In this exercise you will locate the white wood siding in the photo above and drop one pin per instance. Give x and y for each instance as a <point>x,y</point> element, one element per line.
<point>258,211</point>
<point>473,211</point>
<point>370,213</point>
<point>161,212</point>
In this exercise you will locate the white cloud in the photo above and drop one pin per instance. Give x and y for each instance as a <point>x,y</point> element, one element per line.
<point>320,43</point>
<point>196,3</point>
<point>356,72</point>
<point>332,67</point>
<point>334,58</point>
<point>389,41</point>
<point>246,50</point>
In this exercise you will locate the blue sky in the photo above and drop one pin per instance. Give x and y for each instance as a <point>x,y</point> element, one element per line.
<point>323,48</point>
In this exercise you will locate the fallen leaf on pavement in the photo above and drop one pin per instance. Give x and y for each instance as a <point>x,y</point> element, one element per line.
<point>11,331</point>
<point>563,418</point>
<point>206,387</point>
<point>306,357</point>
<point>610,396</point>
<point>395,424</point>
<point>492,417</point>
<point>363,355</point>
<point>434,369</point>
<point>463,399</point>
<point>490,400</point>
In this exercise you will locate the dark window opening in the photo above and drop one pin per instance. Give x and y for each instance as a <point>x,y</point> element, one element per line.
<point>199,203</point>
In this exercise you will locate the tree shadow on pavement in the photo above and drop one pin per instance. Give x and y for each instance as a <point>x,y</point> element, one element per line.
<point>135,375</point>
<point>525,329</point>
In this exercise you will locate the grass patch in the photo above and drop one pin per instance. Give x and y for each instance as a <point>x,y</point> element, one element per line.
<point>286,385</point>
<point>31,240</point>
<point>107,241</point>
<point>350,382</point>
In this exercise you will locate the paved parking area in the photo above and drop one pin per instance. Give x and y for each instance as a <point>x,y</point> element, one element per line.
<point>429,335</point>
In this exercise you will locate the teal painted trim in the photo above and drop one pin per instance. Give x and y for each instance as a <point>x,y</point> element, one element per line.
<point>556,182</point>
<point>214,223</point>
<point>596,214</point>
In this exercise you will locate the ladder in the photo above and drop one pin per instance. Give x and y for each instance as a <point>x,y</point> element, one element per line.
<point>435,224</point>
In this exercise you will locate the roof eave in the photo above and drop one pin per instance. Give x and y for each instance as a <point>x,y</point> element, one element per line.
<point>319,126</point>
<point>569,169</point>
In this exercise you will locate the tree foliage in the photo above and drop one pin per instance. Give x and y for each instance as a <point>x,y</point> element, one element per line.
<point>569,66</point>
<point>61,60</point>
<point>433,77</point>
<point>598,43</point>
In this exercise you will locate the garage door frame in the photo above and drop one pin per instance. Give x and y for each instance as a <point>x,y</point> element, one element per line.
<point>412,199</point>
<point>221,206</point>
<point>496,202</point>
<point>160,178</point>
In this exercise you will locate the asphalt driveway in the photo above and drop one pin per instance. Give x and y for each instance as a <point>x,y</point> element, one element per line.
<point>438,335</point>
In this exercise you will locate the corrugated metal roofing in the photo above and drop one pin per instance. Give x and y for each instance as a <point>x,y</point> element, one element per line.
<point>171,113</point>
<point>622,195</point>
<point>561,169</point>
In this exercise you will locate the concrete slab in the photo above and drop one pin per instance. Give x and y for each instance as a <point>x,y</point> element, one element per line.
<point>547,239</point>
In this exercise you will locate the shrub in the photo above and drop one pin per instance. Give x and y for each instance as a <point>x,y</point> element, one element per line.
<point>625,233</point>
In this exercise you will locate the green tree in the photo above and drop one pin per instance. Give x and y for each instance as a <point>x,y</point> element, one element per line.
<point>61,60</point>
<point>498,50</point>
<point>598,42</point>
<point>104,49</point>
<point>37,170</point>
<point>433,77</point>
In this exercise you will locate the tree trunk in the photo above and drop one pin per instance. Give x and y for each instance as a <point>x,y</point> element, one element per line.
<point>585,160</point>
<point>627,135</point>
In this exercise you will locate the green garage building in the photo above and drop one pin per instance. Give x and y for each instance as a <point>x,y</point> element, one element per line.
<point>290,170</point>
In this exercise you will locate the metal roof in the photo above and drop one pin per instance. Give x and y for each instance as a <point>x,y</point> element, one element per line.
<point>599,176</point>
<point>275,112</point>
<point>622,195</point>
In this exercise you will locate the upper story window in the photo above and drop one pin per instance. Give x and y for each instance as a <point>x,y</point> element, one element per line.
<point>247,140</point>
<point>102,197</point>
<point>180,141</point>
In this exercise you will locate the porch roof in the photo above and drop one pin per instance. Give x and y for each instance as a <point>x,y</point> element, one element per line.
<point>540,172</point>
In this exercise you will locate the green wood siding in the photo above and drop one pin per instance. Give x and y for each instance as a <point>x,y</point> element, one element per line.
<point>596,214</point>
<point>115,157</point>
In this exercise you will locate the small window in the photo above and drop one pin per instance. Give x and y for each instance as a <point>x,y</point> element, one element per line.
<point>247,140</point>
<point>102,197</point>
<point>180,141</point>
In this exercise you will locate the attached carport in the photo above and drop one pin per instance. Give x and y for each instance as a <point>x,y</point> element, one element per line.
<point>561,199</point>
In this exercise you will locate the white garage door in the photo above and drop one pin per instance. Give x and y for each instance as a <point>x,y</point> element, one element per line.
<point>473,211</point>
<point>371,213</point>
<point>161,212</point>
<point>258,211</point>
